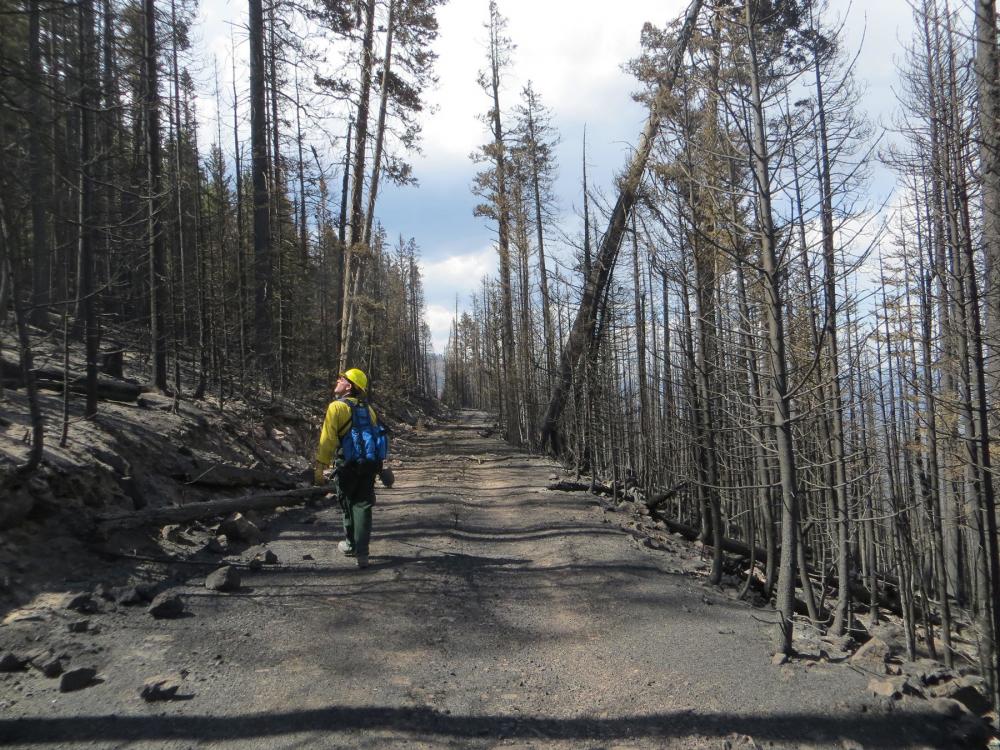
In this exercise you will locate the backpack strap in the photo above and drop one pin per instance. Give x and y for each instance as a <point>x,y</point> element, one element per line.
<point>347,426</point>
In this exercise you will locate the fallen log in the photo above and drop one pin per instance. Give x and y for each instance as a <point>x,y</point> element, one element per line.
<point>592,487</point>
<point>51,379</point>
<point>729,545</point>
<point>888,596</point>
<point>195,511</point>
<point>227,475</point>
<point>659,498</point>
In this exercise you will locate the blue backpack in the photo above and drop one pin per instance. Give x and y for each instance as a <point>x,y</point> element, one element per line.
<point>365,445</point>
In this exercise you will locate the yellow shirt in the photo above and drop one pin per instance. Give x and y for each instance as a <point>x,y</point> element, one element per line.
<point>335,426</point>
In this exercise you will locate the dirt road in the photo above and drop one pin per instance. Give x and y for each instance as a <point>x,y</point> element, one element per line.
<point>495,614</point>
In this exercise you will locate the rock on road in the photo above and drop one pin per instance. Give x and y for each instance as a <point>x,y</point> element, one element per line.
<point>495,613</point>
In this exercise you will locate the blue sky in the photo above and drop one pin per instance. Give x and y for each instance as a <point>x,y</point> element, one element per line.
<point>584,85</point>
<point>573,53</point>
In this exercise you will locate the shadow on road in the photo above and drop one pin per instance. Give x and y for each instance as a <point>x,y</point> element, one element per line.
<point>870,730</point>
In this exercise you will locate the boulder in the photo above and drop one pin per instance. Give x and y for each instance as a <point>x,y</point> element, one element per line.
<point>872,655</point>
<point>948,708</point>
<point>970,691</point>
<point>219,544</point>
<point>10,662</point>
<point>929,672</point>
<point>239,527</point>
<point>226,578</point>
<point>77,679</point>
<point>83,603</point>
<point>890,634</point>
<point>105,592</point>
<point>833,654</point>
<point>133,595</point>
<point>806,648</point>
<point>166,605</point>
<point>47,663</point>
<point>893,687</point>
<point>78,626</point>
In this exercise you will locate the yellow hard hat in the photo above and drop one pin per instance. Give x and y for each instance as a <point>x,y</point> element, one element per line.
<point>357,378</point>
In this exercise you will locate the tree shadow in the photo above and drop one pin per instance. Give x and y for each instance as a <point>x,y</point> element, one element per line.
<point>889,731</point>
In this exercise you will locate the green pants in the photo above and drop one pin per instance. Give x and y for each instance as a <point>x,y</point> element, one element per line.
<point>356,493</point>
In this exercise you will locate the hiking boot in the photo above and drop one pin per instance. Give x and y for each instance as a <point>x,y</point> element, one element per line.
<point>362,561</point>
<point>346,548</point>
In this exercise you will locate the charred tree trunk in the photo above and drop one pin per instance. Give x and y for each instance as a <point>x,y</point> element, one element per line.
<point>263,281</point>
<point>582,330</point>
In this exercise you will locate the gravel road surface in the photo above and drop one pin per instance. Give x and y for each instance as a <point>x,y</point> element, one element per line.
<point>495,613</point>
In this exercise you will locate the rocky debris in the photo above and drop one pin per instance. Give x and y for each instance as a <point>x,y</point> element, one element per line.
<point>133,595</point>
<point>889,633</point>
<point>77,679</point>
<point>160,688</point>
<point>262,558</point>
<point>740,742</point>
<point>46,662</point>
<point>83,603</point>
<point>79,626</point>
<point>103,591</point>
<point>155,401</point>
<point>778,659</point>
<point>807,648</point>
<point>893,687</point>
<point>175,534</point>
<point>10,662</point>
<point>929,672</point>
<point>239,527</point>
<point>836,649</point>
<point>219,544</point>
<point>970,691</point>
<point>948,707</point>
<point>872,655</point>
<point>226,578</point>
<point>166,605</point>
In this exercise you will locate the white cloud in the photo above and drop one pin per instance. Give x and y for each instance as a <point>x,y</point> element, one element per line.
<point>571,53</point>
<point>439,320</point>
<point>458,275</point>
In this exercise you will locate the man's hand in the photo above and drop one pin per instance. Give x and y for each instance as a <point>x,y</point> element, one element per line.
<point>318,478</point>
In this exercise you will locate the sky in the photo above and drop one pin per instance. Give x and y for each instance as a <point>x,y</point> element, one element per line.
<point>573,53</point>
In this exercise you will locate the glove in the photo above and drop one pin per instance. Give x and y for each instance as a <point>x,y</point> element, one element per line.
<point>387,477</point>
<point>318,478</point>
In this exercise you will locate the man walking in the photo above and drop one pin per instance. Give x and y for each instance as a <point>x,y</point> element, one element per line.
<point>354,481</point>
